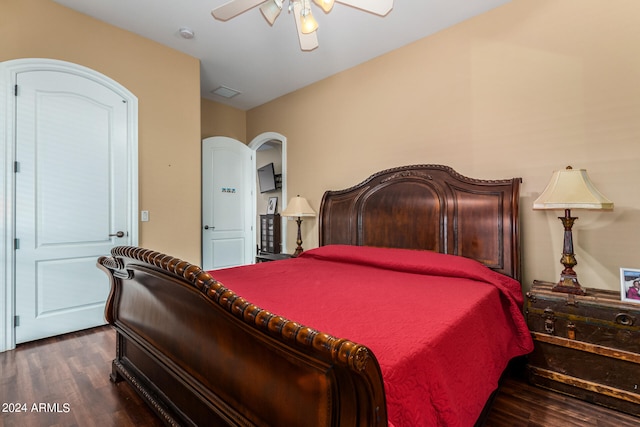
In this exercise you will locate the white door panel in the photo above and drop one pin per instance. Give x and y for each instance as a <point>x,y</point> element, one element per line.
<point>227,251</point>
<point>71,198</point>
<point>227,210</point>
<point>51,293</point>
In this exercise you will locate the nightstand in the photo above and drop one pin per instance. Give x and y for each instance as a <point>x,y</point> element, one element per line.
<point>266,256</point>
<point>585,346</point>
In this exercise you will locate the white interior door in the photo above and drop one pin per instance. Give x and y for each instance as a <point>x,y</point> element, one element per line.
<point>227,212</point>
<point>71,199</point>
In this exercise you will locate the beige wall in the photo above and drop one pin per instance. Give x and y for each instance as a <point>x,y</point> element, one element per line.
<point>222,120</point>
<point>523,90</point>
<point>166,83</point>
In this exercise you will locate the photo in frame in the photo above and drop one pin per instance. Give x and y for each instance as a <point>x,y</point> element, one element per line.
<point>272,205</point>
<point>630,285</point>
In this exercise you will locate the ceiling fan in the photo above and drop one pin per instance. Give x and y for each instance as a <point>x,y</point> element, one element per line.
<point>306,24</point>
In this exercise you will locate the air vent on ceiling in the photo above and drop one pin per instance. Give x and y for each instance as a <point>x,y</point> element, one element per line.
<point>225,92</point>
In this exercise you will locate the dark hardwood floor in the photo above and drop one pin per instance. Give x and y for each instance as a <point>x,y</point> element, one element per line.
<point>71,370</point>
<point>64,381</point>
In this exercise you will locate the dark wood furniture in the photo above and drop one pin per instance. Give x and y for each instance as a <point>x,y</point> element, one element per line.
<point>201,355</point>
<point>430,207</point>
<point>270,233</point>
<point>585,346</point>
<point>266,257</point>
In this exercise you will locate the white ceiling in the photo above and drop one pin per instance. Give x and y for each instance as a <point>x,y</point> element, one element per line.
<point>264,62</point>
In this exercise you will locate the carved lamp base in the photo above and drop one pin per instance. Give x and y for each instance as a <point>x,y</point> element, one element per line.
<point>568,279</point>
<point>569,285</point>
<point>299,249</point>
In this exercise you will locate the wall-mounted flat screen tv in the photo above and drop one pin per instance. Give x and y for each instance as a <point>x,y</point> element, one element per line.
<point>267,178</point>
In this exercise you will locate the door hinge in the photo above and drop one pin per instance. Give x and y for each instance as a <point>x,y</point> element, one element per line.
<point>15,90</point>
<point>16,321</point>
<point>16,167</point>
<point>16,243</point>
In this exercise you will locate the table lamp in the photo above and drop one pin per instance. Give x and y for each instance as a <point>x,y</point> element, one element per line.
<point>570,189</point>
<point>298,207</point>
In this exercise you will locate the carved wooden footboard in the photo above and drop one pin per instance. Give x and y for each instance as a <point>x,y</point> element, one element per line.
<point>201,355</point>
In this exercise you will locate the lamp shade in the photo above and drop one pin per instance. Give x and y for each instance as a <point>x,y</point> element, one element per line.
<point>326,5</point>
<point>571,189</point>
<point>298,206</point>
<point>308,23</point>
<point>270,10</point>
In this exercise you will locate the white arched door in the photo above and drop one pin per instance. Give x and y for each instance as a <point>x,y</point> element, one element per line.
<point>75,197</point>
<point>228,181</point>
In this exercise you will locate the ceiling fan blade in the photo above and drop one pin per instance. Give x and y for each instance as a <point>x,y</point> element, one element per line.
<point>234,8</point>
<point>379,7</point>
<point>307,41</point>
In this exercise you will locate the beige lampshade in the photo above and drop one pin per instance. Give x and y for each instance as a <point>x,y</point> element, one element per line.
<point>298,206</point>
<point>571,189</point>
<point>308,23</point>
<point>270,10</point>
<point>326,5</point>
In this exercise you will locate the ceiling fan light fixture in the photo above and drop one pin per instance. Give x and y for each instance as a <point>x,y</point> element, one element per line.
<point>308,23</point>
<point>270,10</point>
<point>326,5</point>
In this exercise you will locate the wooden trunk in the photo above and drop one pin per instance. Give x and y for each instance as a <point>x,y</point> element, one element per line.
<point>585,346</point>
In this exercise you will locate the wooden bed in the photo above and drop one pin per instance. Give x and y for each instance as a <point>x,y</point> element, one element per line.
<point>199,354</point>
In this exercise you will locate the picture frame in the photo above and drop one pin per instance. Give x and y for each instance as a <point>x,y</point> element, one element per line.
<point>630,285</point>
<point>272,205</point>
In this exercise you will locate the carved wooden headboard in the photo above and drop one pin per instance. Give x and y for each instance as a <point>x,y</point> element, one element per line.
<point>428,207</point>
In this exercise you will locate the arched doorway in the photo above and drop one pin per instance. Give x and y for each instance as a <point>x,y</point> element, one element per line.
<point>260,144</point>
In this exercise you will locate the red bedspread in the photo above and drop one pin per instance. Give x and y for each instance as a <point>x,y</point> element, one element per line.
<point>443,328</point>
